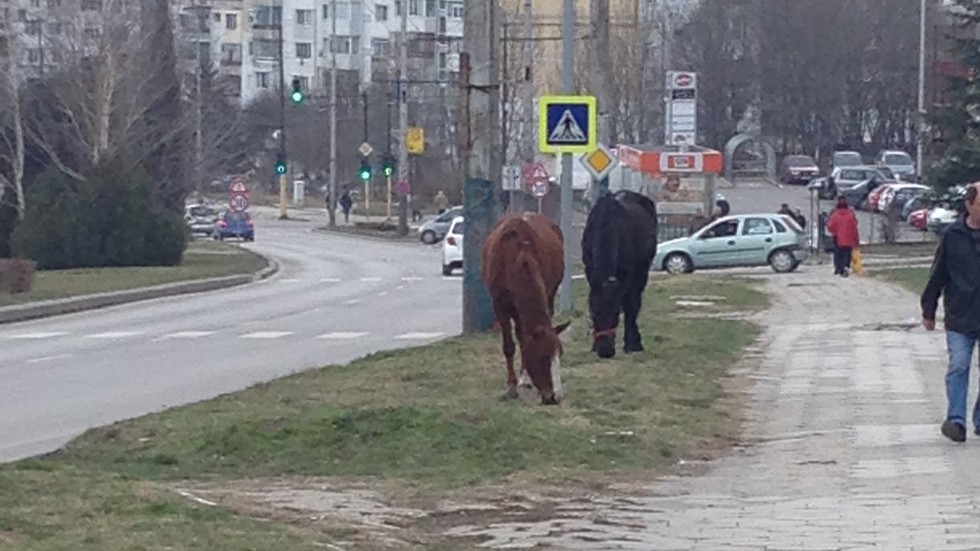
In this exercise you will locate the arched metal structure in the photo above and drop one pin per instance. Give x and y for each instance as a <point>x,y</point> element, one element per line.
<point>765,167</point>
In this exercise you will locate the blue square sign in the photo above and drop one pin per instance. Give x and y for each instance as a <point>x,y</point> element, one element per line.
<point>567,124</point>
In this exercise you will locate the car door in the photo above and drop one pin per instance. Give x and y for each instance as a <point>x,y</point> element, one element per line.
<point>755,241</point>
<point>717,245</point>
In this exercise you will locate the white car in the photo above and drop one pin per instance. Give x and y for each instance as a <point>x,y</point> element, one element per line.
<point>452,247</point>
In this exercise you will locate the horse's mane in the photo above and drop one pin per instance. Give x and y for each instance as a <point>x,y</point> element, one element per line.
<point>604,217</point>
<point>529,288</point>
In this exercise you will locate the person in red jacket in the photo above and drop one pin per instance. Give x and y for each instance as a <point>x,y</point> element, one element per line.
<point>843,225</point>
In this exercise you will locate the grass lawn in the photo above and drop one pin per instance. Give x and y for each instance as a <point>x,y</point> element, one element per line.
<point>429,419</point>
<point>901,250</point>
<point>202,259</point>
<point>913,279</point>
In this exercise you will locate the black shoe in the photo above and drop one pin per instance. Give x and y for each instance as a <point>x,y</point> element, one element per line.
<point>954,431</point>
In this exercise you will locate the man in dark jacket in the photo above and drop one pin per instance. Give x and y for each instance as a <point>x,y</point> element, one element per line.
<point>956,276</point>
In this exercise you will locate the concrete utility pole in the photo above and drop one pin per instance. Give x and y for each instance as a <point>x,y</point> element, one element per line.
<point>565,296</point>
<point>332,207</point>
<point>403,119</point>
<point>601,62</point>
<point>921,123</point>
<point>283,181</point>
<point>480,140</point>
<point>528,101</point>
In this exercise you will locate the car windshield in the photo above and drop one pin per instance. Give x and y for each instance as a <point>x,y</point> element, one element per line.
<point>898,159</point>
<point>886,172</point>
<point>799,160</point>
<point>847,159</point>
<point>202,211</point>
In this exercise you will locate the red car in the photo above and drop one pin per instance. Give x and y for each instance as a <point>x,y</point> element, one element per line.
<point>920,219</point>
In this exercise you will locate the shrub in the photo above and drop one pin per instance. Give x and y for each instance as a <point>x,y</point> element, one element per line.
<point>16,275</point>
<point>8,220</point>
<point>110,219</point>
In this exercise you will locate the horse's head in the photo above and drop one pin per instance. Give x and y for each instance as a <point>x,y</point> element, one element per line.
<point>604,307</point>
<point>541,358</point>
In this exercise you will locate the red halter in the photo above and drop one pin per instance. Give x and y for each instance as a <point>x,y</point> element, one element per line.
<point>604,333</point>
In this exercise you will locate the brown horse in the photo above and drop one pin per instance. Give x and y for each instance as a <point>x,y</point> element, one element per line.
<point>522,268</point>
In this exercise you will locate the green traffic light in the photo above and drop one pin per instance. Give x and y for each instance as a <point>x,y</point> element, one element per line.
<point>297,96</point>
<point>280,168</point>
<point>365,174</point>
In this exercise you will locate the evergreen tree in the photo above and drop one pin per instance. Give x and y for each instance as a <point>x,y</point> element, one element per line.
<point>956,126</point>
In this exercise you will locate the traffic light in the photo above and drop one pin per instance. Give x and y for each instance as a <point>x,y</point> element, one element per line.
<point>365,172</point>
<point>297,94</point>
<point>280,164</point>
<point>389,165</point>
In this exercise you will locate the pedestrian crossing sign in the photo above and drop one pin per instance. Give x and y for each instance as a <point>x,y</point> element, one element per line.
<point>567,124</point>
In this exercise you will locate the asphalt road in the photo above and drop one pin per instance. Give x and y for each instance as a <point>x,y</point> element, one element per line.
<point>335,299</point>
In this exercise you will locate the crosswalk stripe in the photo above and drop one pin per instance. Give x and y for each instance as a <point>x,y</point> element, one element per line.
<point>419,336</point>
<point>266,335</point>
<point>329,280</point>
<point>343,335</point>
<point>370,279</point>
<point>36,336</point>
<point>187,335</point>
<point>114,335</point>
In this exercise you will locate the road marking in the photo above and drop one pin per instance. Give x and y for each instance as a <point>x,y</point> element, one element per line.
<point>266,335</point>
<point>185,335</point>
<point>370,279</point>
<point>411,278</point>
<point>578,276</point>
<point>353,301</point>
<point>342,335</point>
<point>49,358</point>
<point>382,293</point>
<point>35,336</point>
<point>399,288</point>
<point>419,336</point>
<point>451,278</point>
<point>329,280</point>
<point>115,335</point>
<point>290,280</point>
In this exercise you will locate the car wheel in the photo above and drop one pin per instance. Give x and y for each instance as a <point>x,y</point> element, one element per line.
<point>429,237</point>
<point>447,270</point>
<point>782,261</point>
<point>678,263</point>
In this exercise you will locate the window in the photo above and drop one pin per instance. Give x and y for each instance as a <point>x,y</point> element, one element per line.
<point>756,226</point>
<point>344,44</point>
<point>380,13</point>
<point>217,17</point>
<point>262,80</point>
<point>268,16</point>
<point>728,228</point>
<point>22,15</point>
<point>35,3</point>
<point>442,60</point>
<point>458,229</point>
<point>91,5</point>
<point>430,8</point>
<point>304,82</point>
<point>304,17</point>
<point>264,48</point>
<point>413,7</point>
<point>54,28</point>
<point>231,54</point>
<point>54,4</point>
<point>456,10</point>
<point>34,55</point>
<point>231,21</point>
<point>304,50</point>
<point>780,228</point>
<point>398,8</point>
<point>33,28</point>
<point>380,47</point>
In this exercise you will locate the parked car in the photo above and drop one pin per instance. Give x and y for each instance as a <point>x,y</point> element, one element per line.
<point>737,241</point>
<point>235,224</point>
<point>452,247</point>
<point>201,219</point>
<point>919,219</point>
<point>843,159</point>
<point>846,178</point>
<point>798,169</point>
<point>825,189</point>
<point>881,199</point>
<point>899,162</point>
<point>920,202</point>
<point>432,231</point>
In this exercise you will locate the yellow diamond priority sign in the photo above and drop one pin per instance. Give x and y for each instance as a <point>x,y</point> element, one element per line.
<point>599,162</point>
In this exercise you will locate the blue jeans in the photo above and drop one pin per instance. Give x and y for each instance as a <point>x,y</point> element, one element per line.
<point>960,348</point>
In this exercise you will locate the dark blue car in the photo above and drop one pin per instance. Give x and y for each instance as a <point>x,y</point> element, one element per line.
<point>235,224</point>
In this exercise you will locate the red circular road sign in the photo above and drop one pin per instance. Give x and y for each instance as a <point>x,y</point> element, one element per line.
<point>536,179</point>
<point>402,187</point>
<point>238,202</point>
<point>539,189</point>
<point>683,79</point>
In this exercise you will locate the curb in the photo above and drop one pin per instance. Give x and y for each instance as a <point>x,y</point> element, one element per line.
<point>48,308</point>
<point>407,239</point>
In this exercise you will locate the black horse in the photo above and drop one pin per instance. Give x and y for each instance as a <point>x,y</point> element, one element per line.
<point>618,246</point>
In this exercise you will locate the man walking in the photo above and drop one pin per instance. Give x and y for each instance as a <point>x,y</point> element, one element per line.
<point>843,225</point>
<point>956,276</point>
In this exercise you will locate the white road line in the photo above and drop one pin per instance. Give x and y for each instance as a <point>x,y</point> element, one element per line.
<point>419,336</point>
<point>185,335</point>
<point>35,336</point>
<point>329,280</point>
<point>343,335</point>
<point>370,279</point>
<point>290,280</point>
<point>266,335</point>
<point>412,278</point>
<point>450,278</point>
<point>353,301</point>
<point>48,358</point>
<point>578,276</point>
<point>399,288</point>
<point>382,293</point>
<point>114,335</point>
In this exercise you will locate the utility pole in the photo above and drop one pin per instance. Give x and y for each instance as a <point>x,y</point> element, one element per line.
<point>403,119</point>
<point>529,130</point>
<point>565,297</point>
<point>600,64</point>
<point>283,214</point>
<point>479,139</point>
<point>921,123</point>
<point>332,207</point>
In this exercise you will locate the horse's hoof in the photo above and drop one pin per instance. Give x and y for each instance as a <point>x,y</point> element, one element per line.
<point>509,395</point>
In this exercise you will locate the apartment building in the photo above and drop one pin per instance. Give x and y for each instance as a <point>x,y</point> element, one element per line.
<point>243,39</point>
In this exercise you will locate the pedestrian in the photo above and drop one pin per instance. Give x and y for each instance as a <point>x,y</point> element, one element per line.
<point>954,275</point>
<point>442,202</point>
<point>326,203</point>
<point>843,225</point>
<point>345,204</point>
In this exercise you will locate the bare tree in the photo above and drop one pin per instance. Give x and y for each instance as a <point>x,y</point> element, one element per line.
<point>11,126</point>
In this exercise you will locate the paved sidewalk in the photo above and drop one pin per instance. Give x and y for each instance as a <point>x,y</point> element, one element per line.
<point>842,450</point>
